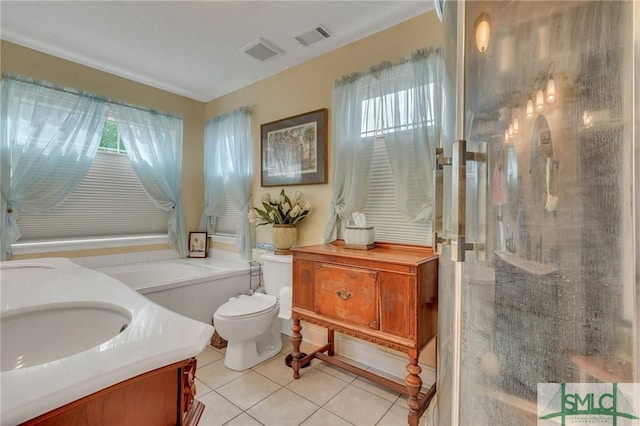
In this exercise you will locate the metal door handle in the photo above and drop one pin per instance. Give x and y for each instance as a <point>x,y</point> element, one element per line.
<point>343,294</point>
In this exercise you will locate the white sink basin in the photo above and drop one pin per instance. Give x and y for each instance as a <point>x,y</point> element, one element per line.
<point>25,270</point>
<point>45,333</point>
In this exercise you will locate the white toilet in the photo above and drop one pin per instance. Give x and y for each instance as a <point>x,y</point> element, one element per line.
<point>250,324</point>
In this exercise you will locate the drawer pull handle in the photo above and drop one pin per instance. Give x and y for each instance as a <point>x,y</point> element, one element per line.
<point>343,294</point>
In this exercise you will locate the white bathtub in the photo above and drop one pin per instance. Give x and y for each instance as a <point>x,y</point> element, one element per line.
<point>194,288</point>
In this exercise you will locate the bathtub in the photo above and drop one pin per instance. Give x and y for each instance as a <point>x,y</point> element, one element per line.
<point>194,288</point>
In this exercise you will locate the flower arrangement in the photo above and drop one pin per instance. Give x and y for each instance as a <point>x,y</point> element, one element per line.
<point>280,210</point>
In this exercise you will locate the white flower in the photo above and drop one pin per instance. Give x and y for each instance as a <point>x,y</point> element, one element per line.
<point>307,206</point>
<point>298,195</point>
<point>272,216</point>
<point>295,211</point>
<point>266,197</point>
<point>285,208</point>
<point>252,216</point>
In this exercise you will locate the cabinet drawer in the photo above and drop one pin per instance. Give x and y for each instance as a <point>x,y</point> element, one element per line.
<point>347,294</point>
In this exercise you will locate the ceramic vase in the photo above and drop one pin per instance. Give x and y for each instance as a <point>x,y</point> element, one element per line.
<point>284,237</point>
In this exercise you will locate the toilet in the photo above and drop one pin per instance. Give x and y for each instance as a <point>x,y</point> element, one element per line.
<point>250,323</point>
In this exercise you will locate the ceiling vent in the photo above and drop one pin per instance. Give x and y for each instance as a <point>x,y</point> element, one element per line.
<point>261,50</point>
<point>313,35</point>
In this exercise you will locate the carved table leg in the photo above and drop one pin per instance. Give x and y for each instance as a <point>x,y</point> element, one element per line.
<point>296,339</point>
<point>414,384</point>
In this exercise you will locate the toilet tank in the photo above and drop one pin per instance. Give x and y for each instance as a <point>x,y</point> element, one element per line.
<point>276,271</point>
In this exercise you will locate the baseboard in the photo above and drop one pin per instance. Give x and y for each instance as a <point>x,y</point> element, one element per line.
<point>385,360</point>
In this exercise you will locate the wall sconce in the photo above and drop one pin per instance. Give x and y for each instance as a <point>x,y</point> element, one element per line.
<point>529,108</point>
<point>482,32</point>
<point>544,81</point>
<point>539,101</point>
<point>551,91</point>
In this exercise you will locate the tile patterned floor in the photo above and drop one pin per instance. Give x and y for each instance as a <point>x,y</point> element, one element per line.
<point>267,395</point>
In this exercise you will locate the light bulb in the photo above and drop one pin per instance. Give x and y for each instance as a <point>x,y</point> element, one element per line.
<point>551,91</point>
<point>516,126</point>
<point>482,32</point>
<point>529,108</point>
<point>539,101</point>
<point>506,135</point>
<point>510,131</point>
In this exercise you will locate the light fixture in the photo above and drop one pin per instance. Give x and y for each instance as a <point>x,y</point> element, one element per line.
<point>516,126</point>
<point>539,101</point>
<point>482,32</point>
<point>529,108</point>
<point>587,119</point>
<point>506,135</point>
<point>551,91</point>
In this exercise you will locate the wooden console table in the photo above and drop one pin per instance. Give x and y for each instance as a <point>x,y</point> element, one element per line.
<point>387,295</point>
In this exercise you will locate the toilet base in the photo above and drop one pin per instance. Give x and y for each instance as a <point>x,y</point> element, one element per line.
<point>242,355</point>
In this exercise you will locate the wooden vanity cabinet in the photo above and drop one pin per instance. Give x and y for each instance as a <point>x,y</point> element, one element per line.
<point>165,396</point>
<point>386,295</point>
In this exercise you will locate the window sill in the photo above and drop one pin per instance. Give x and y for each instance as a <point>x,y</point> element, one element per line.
<point>49,246</point>
<point>223,239</point>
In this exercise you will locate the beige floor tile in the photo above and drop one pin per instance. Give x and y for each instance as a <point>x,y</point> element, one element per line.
<point>216,374</point>
<point>248,389</point>
<point>217,410</point>
<point>201,389</point>
<point>243,420</point>
<point>324,418</point>
<point>339,373</point>
<point>396,416</point>
<point>358,406</point>
<point>276,370</point>
<point>376,389</point>
<point>317,386</point>
<point>207,356</point>
<point>282,408</point>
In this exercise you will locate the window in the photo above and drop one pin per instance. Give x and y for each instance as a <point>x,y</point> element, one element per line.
<point>110,201</point>
<point>386,115</point>
<point>227,224</point>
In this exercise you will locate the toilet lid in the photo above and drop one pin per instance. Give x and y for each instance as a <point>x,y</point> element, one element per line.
<point>247,305</point>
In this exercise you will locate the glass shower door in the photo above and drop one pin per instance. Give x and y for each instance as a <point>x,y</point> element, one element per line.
<point>538,268</point>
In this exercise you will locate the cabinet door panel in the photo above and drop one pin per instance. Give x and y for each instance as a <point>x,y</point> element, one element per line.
<point>303,277</point>
<point>395,304</point>
<point>348,294</point>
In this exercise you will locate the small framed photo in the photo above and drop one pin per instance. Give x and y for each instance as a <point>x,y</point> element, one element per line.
<point>294,150</point>
<point>198,244</point>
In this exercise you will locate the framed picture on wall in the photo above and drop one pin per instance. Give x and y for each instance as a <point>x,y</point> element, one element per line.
<point>198,244</point>
<point>294,150</point>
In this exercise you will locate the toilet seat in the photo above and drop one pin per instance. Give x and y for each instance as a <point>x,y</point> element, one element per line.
<point>245,306</point>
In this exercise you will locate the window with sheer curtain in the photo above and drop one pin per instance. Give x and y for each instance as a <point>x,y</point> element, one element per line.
<point>76,166</point>
<point>109,201</point>
<point>228,177</point>
<point>386,125</point>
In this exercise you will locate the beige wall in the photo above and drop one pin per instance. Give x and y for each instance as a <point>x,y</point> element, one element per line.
<point>307,87</point>
<point>16,59</point>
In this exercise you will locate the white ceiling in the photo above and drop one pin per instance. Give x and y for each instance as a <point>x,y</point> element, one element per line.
<point>193,48</point>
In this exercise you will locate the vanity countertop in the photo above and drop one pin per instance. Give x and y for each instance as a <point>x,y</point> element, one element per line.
<point>526,265</point>
<point>155,336</point>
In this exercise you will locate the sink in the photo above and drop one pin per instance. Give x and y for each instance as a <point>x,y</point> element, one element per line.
<point>24,270</point>
<point>45,333</point>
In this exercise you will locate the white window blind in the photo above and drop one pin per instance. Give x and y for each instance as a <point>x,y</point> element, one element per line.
<point>380,208</point>
<point>227,224</point>
<point>109,201</point>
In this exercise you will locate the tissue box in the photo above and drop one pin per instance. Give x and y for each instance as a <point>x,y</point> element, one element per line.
<point>359,237</point>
